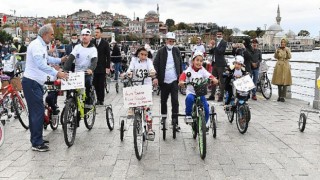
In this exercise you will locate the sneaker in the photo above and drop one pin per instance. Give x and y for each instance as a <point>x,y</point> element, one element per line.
<point>211,98</point>
<point>207,130</point>
<point>41,148</point>
<point>278,99</point>
<point>254,97</point>
<point>178,128</point>
<point>188,119</point>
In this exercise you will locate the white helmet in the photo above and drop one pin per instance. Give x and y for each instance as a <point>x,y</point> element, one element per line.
<point>170,35</point>
<point>197,53</point>
<point>239,59</point>
<point>86,31</point>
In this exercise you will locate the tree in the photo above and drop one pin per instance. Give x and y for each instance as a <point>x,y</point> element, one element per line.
<point>117,23</point>
<point>183,25</point>
<point>303,33</point>
<point>4,36</point>
<point>170,22</point>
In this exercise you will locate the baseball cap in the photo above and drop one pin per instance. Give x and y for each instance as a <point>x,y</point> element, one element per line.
<point>199,38</point>
<point>170,35</point>
<point>86,31</point>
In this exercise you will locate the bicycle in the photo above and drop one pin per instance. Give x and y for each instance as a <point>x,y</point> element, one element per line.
<point>75,110</point>
<point>109,117</point>
<point>50,118</point>
<point>198,123</point>
<point>264,84</point>
<point>140,123</point>
<point>238,105</point>
<point>14,97</point>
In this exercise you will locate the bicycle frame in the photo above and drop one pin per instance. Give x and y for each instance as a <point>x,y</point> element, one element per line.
<point>79,96</point>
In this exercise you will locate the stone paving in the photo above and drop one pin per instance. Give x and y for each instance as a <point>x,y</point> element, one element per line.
<point>272,148</point>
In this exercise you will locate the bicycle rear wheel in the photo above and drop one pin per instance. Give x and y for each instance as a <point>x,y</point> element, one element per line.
<point>122,130</point>
<point>213,122</point>
<point>90,115</point>
<point>138,135</point>
<point>70,121</point>
<point>265,86</point>
<point>117,87</point>
<point>302,122</point>
<point>2,135</point>
<point>109,118</point>
<point>174,128</point>
<point>242,118</point>
<point>202,136</point>
<point>54,122</point>
<point>21,111</point>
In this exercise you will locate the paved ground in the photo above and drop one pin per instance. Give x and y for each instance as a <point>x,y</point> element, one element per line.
<point>272,148</point>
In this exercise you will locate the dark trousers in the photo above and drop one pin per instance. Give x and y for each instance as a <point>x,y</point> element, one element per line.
<point>282,91</point>
<point>218,73</point>
<point>99,81</point>
<point>166,90</point>
<point>33,93</point>
<point>88,84</point>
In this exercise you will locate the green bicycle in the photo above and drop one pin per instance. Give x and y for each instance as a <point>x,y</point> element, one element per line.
<point>75,110</point>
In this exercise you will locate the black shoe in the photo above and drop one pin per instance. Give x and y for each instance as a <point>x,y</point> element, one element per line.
<point>282,100</point>
<point>101,103</point>
<point>41,148</point>
<point>211,98</point>
<point>207,130</point>
<point>46,142</point>
<point>178,128</point>
<point>278,99</point>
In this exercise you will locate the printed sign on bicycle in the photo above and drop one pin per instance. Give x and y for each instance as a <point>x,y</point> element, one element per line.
<point>244,83</point>
<point>137,96</point>
<point>75,81</point>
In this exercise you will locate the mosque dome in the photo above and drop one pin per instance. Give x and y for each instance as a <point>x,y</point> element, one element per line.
<point>291,34</point>
<point>275,27</point>
<point>151,13</point>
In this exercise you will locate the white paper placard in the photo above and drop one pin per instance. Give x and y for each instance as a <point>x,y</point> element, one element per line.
<point>137,96</point>
<point>244,83</point>
<point>75,81</point>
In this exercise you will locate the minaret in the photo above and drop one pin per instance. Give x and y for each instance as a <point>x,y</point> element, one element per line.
<point>278,18</point>
<point>134,16</point>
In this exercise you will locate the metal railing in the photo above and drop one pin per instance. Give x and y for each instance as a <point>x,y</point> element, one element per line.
<point>306,81</point>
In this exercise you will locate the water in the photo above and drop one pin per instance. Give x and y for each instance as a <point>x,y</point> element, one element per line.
<point>303,74</point>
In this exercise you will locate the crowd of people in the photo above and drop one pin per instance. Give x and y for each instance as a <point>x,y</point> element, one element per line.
<point>90,53</point>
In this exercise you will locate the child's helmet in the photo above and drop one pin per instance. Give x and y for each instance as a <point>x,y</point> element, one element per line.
<point>197,53</point>
<point>239,59</point>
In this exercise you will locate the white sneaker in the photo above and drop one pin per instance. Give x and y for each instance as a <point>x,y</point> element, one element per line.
<point>188,119</point>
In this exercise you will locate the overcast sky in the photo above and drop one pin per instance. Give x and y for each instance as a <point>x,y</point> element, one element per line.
<point>243,14</point>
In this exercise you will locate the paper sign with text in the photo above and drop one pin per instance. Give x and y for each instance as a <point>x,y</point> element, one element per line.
<point>75,81</point>
<point>137,96</point>
<point>244,83</point>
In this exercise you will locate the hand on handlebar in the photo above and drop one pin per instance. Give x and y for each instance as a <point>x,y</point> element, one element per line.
<point>182,84</point>
<point>214,81</point>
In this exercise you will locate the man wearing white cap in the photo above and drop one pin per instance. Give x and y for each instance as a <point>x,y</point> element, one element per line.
<point>168,65</point>
<point>85,57</point>
<point>199,47</point>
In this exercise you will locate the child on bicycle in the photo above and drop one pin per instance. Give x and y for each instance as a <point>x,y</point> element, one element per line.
<point>8,63</point>
<point>141,66</point>
<point>234,71</point>
<point>196,74</point>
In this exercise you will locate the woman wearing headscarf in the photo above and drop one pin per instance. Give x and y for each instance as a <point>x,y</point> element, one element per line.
<point>282,72</point>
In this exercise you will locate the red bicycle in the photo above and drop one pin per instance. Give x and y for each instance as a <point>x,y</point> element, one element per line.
<point>51,116</point>
<point>20,109</point>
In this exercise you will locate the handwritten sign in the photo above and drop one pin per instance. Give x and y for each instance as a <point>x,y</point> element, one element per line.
<point>244,83</point>
<point>137,96</point>
<point>75,81</point>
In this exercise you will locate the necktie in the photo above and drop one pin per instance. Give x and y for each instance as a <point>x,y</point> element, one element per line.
<point>98,42</point>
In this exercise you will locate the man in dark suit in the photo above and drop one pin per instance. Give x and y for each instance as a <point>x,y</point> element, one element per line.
<point>218,64</point>
<point>168,65</point>
<point>103,65</point>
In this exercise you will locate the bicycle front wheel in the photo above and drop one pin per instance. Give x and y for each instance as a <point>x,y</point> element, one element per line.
<point>1,132</point>
<point>21,111</point>
<point>90,114</point>
<point>265,86</point>
<point>302,122</point>
<point>230,113</point>
<point>242,118</point>
<point>117,87</point>
<point>202,136</point>
<point>138,135</point>
<point>69,125</point>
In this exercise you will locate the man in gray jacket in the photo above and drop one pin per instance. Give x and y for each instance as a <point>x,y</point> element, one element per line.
<point>168,65</point>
